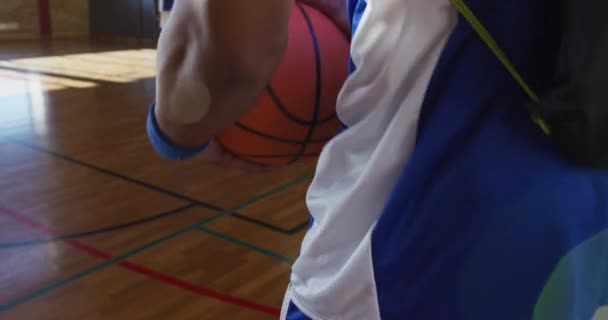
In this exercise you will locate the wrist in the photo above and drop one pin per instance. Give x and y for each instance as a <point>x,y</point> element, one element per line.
<point>164,144</point>
<point>179,134</point>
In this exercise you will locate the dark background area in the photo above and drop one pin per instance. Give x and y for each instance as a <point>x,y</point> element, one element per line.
<point>124,18</point>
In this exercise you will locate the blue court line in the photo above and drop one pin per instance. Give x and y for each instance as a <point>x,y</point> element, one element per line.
<point>247,245</point>
<point>69,279</point>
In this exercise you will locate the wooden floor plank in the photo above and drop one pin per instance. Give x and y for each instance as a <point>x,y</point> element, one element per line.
<point>116,293</point>
<point>70,198</point>
<point>128,239</point>
<point>286,209</point>
<point>26,269</point>
<point>281,244</point>
<point>242,272</point>
<point>84,186</point>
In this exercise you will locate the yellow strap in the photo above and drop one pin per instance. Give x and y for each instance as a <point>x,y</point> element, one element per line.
<point>491,43</point>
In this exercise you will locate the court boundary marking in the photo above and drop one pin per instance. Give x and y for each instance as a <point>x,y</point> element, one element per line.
<point>289,231</point>
<point>246,245</point>
<point>14,244</point>
<point>133,267</point>
<point>122,257</point>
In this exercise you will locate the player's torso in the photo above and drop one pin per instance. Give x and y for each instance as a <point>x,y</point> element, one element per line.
<point>432,154</point>
<point>394,51</point>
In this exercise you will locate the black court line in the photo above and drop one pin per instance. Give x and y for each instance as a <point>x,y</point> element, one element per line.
<point>298,228</point>
<point>260,223</point>
<point>119,227</point>
<point>247,244</point>
<point>151,186</point>
<point>116,175</point>
<point>78,235</point>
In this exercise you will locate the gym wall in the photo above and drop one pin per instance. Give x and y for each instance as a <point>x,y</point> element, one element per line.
<point>19,19</point>
<point>35,19</point>
<point>134,19</point>
<point>70,18</point>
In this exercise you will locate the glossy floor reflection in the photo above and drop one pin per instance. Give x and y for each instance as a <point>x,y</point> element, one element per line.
<point>80,186</point>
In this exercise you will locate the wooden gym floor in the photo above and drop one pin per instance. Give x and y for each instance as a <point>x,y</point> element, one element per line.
<point>95,225</point>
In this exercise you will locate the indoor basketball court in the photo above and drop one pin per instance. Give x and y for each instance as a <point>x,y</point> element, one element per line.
<point>467,182</point>
<point>94,224</point>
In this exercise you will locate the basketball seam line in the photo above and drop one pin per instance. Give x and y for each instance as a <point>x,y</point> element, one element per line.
<point>280,139</point>
<point>317,101</point>
<point>291,116</point>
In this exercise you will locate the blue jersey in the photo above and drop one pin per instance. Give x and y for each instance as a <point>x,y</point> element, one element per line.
<point>473,215</point>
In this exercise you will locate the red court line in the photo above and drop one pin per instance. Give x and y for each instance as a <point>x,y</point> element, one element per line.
<point>44,17</point>
<point>170,280</point>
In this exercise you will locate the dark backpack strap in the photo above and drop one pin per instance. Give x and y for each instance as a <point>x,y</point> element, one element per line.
<point>574,112</point>
<point>466,12</point>
<point>577,105</point>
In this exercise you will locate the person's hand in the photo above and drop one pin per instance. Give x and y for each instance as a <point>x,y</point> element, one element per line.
<point>335,10</point>
<point>215,154</point>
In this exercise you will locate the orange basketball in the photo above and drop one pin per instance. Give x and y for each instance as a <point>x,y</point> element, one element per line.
<point>296,115</point>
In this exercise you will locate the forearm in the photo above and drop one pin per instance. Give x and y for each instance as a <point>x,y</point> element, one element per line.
<point>230,48</point>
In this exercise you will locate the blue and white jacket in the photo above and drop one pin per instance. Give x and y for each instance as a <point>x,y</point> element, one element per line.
<point>441,199</point>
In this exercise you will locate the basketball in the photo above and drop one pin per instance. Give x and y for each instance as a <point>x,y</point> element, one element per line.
<point>295,116</point>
